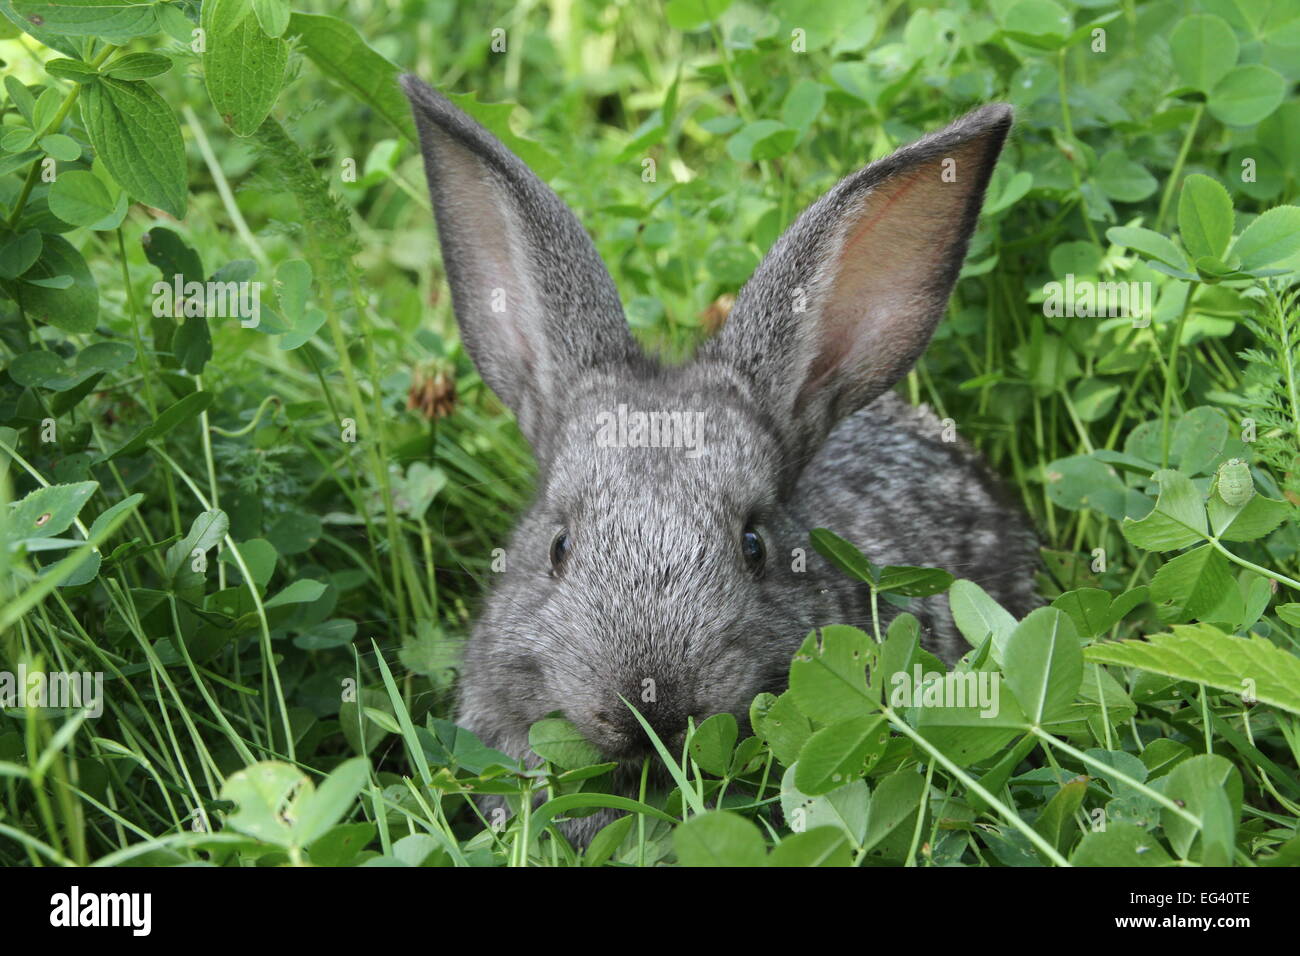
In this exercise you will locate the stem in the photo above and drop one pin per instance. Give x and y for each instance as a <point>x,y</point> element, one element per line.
<point>971,783</point>
<point>1171,372</point>
<point>1172,182</point>
<point>1068,128</point>
<point>1250,565</point>
<point>920,817</point>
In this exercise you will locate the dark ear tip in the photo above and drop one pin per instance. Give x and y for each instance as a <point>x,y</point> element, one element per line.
<point>421,94</point>
<point>993,117</point>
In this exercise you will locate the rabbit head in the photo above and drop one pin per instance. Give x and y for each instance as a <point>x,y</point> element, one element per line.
<point>655,566</point>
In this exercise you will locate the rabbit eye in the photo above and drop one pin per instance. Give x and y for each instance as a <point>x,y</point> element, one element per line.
<point>751,547</point>
<point>559,549</point>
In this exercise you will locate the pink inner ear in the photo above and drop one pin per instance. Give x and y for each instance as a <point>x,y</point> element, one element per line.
<point>495,258</point>
<point>880,306</point>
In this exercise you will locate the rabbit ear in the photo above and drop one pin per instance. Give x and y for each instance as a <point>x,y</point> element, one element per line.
<point>847,299</point>
<point>534,302</point>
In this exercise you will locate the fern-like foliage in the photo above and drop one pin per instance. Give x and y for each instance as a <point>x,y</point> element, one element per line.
<point>1273,386</point>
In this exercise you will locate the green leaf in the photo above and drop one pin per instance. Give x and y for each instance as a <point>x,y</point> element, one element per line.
<point>192,344</point>
<point>105,357</point>
<point>113,20</point>
<point>1203,654</point>
<point>783,727</point>
<point>803,103</point>
<point>137,137</point>
<point>1094,612</point>
<point>21,97</point>
<point>1271,238</point>
<point>268,798</point>
<point>138,66</point>
<point>1208,787</point>
<point>79,197</point>
<point>978,616</point>
<point>1177,520</point>
<point>43,370</point>
<point>72,305</point>
<point>840,753</point>
<point>1192,584</point>
<point>1044,665</point>
<point>1204,49</point>
<point>1056,823</point>
<point>293,286</point>
<point>1042,24</point>
<point>244,71</point>
<point>18,251</point>
<point>337,50</point>
<point>303,329</point>
<point>17,140</point>
<point>1123,179</point>
<point>719,838</point>
<point>819,846</point>
<point>687,15</point>
<point>1015,189</point>
<point>1120,844</point>
<point>828,677</point>
<point>63,148</point>
<point>272,15</point>
<point>206,532</point>
<point>321,809</point>
<point>971,734</point>
<point>90,567</point>
<point>1162,755</point>
<point>1247,95</point>
<point>299,592</point>
<point>1290,613</point>
<point>1082,481</point>
<point>914,582</point>
<point>47,512</point>
<point>183,411</point>
<point>79,71</point>
<point>843,555</point>
<point>893,806</point>
<point>1150,244</point>
<point>1205,217</point>
<point>222,16</point>
<point>11,21</point>
<point>557,740</point>
<point>1199,439</point>
<point>1256,518</point>
<point>712,743</point>
<point>607,840</point>
<point>295,533</point>
<point>336,632</point>
<point>902,640</point>
<point>760,140</point>
<point>172,255</point>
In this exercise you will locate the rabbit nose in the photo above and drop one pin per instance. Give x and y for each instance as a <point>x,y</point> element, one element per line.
<point>619,734</point>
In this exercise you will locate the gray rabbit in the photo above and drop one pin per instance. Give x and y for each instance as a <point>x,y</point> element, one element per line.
<point>666,558</point>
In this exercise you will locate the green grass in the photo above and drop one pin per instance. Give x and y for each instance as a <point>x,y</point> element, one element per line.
<point>345,476</point>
